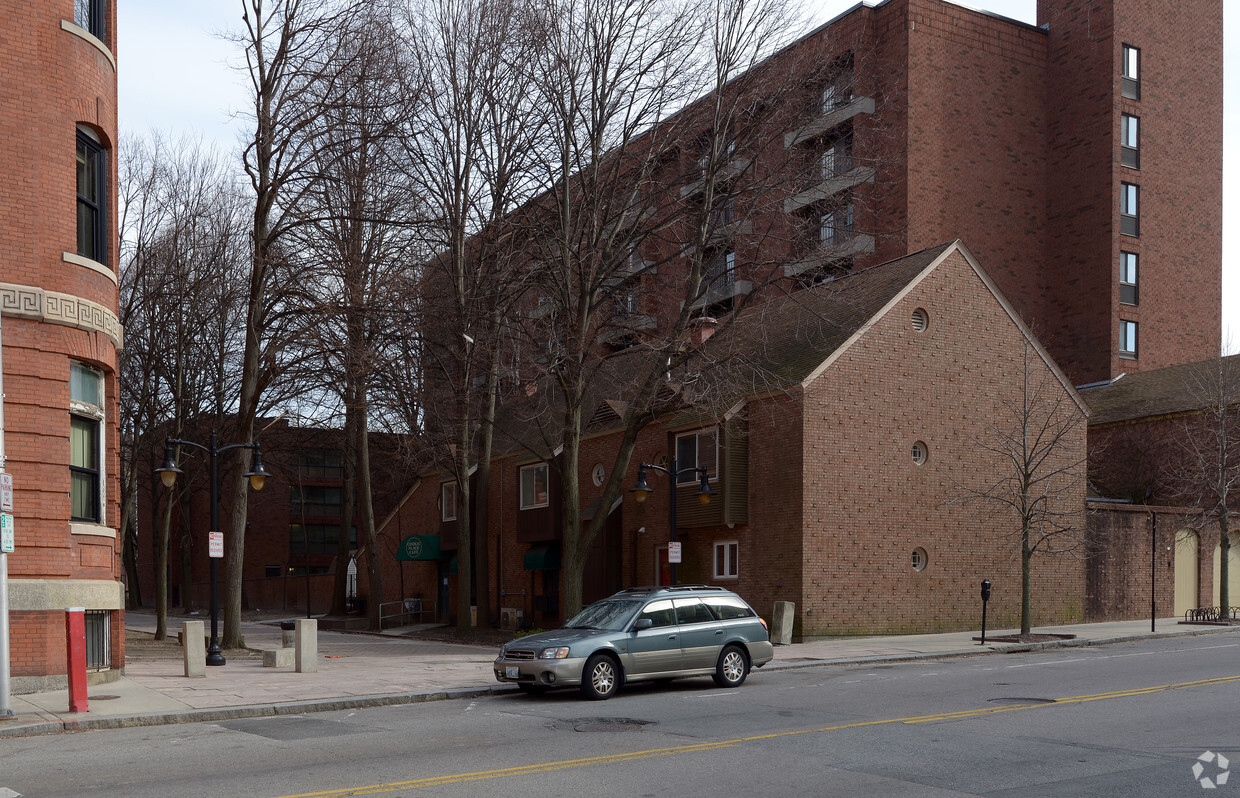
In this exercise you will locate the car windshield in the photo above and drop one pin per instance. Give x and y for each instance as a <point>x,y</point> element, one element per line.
<point>604,615</point>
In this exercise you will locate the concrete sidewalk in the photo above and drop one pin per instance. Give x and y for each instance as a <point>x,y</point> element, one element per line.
<point>365,670</point>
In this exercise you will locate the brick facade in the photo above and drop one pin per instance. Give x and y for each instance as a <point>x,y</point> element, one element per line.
<point>57,308</point>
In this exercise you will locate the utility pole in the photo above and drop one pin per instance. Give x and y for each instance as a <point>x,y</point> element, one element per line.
<point>6,706</point>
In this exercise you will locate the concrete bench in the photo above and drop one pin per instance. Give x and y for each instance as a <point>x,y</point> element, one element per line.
<point>278,657</point>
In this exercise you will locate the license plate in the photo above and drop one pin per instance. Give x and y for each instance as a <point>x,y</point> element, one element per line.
<point>512,672</point>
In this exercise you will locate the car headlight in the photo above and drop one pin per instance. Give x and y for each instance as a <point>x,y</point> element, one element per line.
<point>554,653</point>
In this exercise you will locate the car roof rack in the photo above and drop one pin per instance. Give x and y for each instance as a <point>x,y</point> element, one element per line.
<point>632,591</point>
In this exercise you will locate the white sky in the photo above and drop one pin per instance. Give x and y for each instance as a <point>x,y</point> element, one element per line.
<point>177,76</point>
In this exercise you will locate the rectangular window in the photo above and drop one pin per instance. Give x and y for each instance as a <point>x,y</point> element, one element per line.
<point>1128,278</point>
<point>1129,216</point>
<point>447,500</point>
<point>1128,339</point>
<point>91,16</point>
<point>534,491</point>
<point>85,442</point>
<point>316,500</point>
<point>697,450</point>
<point>317,539</point>
<point>1129,154</point>
<point>721,271</point>
<point>725,559</point>
<point>1130,72</point>
<point>320,464</point>
<point>92,171</point>
<point>98,639</point>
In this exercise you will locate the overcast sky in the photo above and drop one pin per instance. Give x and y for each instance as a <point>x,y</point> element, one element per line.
<point>178,75</point>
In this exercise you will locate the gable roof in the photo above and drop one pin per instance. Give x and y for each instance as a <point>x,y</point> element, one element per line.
<point>1158,392</point>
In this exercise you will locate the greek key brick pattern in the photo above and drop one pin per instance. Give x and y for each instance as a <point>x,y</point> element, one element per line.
<point>28,302</point>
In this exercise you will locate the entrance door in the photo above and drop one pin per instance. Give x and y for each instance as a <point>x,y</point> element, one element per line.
<point>441,577</point>
<point>1185,571</point>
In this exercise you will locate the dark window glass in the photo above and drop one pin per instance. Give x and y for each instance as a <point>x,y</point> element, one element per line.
<point>692,611</point>
<point>91,15</point>
<point>1129,219</point>
<point>1128,278</point>
<point>84,468</point>
<point>1129,137</point>
<point>91,189</point>
<point>1130,72</point>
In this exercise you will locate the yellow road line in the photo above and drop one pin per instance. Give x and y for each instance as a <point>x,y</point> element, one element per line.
<point>525,770</point>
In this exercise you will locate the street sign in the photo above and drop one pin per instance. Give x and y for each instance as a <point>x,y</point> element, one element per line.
<point>6,533</point>
<point>215,544</point>
<point>673,552</point>
<point>6,493</point>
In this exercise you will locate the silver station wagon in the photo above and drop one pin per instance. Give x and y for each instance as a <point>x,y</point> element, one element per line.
<point>641,634</point>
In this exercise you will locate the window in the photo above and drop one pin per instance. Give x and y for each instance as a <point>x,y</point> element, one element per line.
<point>692,610</point>
<point>836,158</point>
<point>660,613</point>
<point>1129,155</point>
<point>320,464</point>
<point>697,450</point>
<point>316,500</point>
<point>1129,219</point>
<point>721,271</point>
<point>447,500</point>
<point>921,452</point>
<point>92,16</point>
<point>725,559</point>
<point>92,170</point>
<point>98,639</point>
<point>1130,72</point>
<point>1128,339</point>
<point>317,539</point>
<point>85,443</point>
<point>1128,278</point>
<point>534,486</point>
<point>836,226</point>
<point>919,559</point>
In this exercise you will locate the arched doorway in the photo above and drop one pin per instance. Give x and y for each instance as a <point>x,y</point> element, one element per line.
<point>1186,581</point>
<point>1233,573</point>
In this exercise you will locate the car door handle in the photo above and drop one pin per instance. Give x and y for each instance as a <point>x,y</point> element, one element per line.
<point>718,631</point>
<point>672,637</point>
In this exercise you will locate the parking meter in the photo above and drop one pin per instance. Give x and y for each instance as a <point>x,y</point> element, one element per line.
<point>985,598</point>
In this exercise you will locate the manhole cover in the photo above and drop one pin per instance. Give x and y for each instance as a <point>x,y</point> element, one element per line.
<point>103,697</point>
<point>1025,701</point>
<point>608,725</point>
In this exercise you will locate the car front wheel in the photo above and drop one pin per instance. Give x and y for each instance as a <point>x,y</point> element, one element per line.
<point>733,667</point>
<point>601,677</point>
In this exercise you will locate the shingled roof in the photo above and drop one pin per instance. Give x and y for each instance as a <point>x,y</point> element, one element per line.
<point>1160,392</point>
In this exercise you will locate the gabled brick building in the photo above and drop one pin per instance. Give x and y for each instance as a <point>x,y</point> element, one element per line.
<point>60,332</point>
<point>833,481</point>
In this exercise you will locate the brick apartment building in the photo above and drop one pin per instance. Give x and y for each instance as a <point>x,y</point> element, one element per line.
<point>60,333</point>
<point>1079,159</point>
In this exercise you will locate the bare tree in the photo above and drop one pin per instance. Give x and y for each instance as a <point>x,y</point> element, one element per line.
<point>1204,459</point>
<point>1035,469</point>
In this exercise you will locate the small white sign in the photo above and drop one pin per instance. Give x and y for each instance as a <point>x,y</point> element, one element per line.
<point>673,552</point>
<point>6,533</point>
<point>6,493</point>
<point>215,544</point>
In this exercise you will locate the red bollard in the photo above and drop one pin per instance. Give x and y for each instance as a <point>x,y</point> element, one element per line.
<point>75,648</point>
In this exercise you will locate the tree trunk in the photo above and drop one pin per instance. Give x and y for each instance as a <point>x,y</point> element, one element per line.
<point>366,508</point>
<point>1026,559</point>
<point>186,556</point>
<point>1224,544</point>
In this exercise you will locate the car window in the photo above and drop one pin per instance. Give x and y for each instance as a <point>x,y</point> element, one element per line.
<point>604,615</point>
<point>692,610</point>
<point>727,608</point>
<point>660,612</point>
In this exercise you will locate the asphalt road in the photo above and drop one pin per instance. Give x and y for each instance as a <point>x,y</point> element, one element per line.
<point>1124,720</point>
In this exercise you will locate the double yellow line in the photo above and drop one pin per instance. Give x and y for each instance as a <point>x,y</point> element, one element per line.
<point>526,770</point>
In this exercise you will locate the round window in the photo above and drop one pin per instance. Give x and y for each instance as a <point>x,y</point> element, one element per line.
<point>920,453</point>
<point>919,559</point>
<point>921,320</point>
<point>598,474</point>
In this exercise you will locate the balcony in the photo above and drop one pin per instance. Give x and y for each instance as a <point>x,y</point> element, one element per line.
<point>828,188</point>
<point>839,249</point>
<point>626,325</point>
<point>722,290</point>
<point>726,173</point>
<point>833,118</point>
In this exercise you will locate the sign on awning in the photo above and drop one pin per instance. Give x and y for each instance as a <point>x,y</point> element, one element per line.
<point>419,547</point>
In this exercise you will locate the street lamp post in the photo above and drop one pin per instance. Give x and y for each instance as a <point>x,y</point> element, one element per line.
<point>258,477</point>
<point>641,490</point>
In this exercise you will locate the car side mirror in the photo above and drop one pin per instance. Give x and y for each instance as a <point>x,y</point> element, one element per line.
<point>642,623</point>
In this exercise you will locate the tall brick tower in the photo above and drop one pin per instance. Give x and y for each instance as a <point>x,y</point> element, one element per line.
<point>1134,183</point>
<point>60,332</point>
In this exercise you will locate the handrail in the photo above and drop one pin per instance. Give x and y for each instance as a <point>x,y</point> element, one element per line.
<point>414,607</point>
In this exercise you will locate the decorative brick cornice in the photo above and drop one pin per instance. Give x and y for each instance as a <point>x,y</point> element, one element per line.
<point>28,302</point>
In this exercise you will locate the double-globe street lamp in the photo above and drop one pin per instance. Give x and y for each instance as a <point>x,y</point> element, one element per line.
<point>258,477</point>
<point>641,490</point>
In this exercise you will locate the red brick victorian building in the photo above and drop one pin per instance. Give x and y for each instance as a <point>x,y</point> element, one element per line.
<point>60,332</point>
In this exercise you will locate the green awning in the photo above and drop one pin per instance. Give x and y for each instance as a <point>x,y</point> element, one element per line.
<point>419,547</point>
<point>543,558</point>
<point>453,566</point>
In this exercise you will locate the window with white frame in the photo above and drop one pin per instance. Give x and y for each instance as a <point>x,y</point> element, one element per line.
<point>697,450</point>
<point>1128,339</point>
<point>447,500</point>
<point>1129,141</point>
<point>534,491</point>
<point>1129,214</point>
<point>725,559</point>
<point>85,443</point>
<point>1128,294</point>
<point>1130,72</point>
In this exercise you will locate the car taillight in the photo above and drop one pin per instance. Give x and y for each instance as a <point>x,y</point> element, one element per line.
<point>764,626</point>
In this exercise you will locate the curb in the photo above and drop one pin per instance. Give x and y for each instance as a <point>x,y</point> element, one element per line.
<point>396,699</point>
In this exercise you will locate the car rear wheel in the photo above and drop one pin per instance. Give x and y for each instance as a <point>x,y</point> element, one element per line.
<point>601,677</point>
<point>733,667</point>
